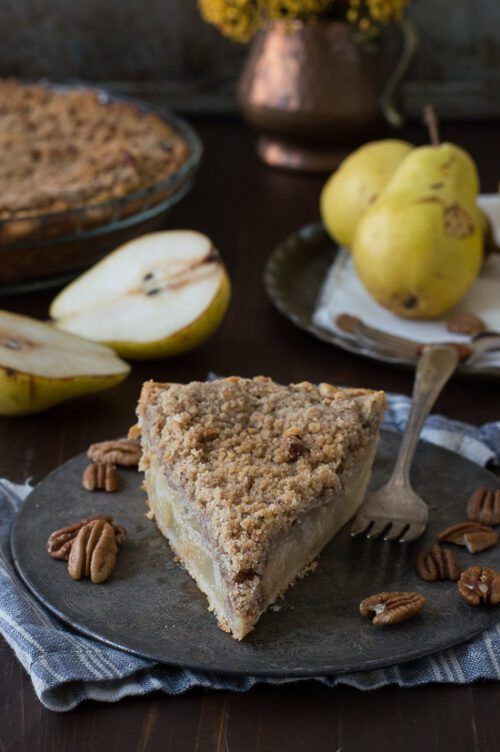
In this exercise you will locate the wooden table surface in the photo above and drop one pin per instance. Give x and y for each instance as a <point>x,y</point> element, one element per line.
<point>247,209</point>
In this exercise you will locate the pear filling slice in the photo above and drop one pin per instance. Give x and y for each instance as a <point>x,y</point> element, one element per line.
<point>41,366</point>
<point>156,296</point>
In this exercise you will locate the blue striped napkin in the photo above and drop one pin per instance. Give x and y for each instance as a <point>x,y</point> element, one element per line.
<point>67,668</point>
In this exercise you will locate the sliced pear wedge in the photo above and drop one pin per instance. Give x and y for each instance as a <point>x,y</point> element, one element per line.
<point>156,296</point>
<point>41,366</point>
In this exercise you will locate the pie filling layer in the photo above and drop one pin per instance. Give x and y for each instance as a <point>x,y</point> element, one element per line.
<point>287,558</point>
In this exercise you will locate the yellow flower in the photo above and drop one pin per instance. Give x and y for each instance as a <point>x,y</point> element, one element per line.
<point>292,9</point>
<point>385,11</point>
<point>236,19</point>
<point>240,19</point>
<point>377,11</point>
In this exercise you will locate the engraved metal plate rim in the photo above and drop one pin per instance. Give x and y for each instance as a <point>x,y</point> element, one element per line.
<point>312,240</point>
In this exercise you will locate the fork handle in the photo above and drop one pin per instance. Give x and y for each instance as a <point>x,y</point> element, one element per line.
<point>435,366</point>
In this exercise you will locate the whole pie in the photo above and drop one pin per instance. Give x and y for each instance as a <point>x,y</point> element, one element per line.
<point>64,150</point>
<point>249,480</point>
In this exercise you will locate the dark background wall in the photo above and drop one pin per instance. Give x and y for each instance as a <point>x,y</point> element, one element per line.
<point>164,46</point>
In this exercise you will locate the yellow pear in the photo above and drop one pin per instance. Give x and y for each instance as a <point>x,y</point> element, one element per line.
<point>156,296</point>
<point>41,366</point>
<point>484,223</point>
<point>445,171</point>
<point>356,184</point>
<point>419,247</point>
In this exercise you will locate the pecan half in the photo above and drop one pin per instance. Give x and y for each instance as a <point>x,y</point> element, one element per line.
<point>464,322</point>
<point>480,585</point>
<point>484,506</point>
<point>391,608</point>
<point>93,553</point>
<point>437,564</point>
<point>60,542</point>
<point>347,323</point>
<point>125,452</point>
<point>474,536</point>
<point>100,477</point>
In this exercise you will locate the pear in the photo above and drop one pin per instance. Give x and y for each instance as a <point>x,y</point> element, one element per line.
<point>156,296</point>
<point>41,366</point>
<point>356,184</point>
<point>485,225</point>
<point>419,247</point>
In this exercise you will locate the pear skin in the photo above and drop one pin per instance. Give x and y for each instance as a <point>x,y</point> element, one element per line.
<point>26,393</point>
<point>484,224</point>
<point>445,172</point>
<point>408,262</point>
<point>356,184</point>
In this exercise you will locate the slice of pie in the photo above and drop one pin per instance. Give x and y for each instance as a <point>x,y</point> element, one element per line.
<point>249,480</point>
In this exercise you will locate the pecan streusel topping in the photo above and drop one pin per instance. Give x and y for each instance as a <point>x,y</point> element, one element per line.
<point>63,150</point>
<point>243,484</point>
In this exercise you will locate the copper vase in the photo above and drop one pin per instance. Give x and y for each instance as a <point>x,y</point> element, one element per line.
<point>313,92</point>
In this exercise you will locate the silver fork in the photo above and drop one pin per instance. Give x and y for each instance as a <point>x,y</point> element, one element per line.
<point>368,336</point>
<point>391,344</point>
<point>395,508</point>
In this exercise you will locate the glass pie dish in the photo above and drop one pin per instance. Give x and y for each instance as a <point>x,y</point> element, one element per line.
<point>44,250</point>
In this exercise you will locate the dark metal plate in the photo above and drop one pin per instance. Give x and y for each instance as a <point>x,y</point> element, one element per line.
<point>293,279</point>
<point>150,606</point>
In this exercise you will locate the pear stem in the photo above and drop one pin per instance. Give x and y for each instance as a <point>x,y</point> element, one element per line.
<point>432,123</point>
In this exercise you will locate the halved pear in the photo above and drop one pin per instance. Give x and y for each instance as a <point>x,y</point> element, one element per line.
<point>41,366</point>
<point>156,296</point>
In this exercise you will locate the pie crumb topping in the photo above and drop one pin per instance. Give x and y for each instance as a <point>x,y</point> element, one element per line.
<point>65,149</point>
<point>251,456</point>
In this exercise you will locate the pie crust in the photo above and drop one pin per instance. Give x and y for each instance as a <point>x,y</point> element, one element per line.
<point>244,513</point>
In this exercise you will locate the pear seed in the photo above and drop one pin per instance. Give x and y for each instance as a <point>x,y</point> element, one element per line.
<point>14,344</point>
